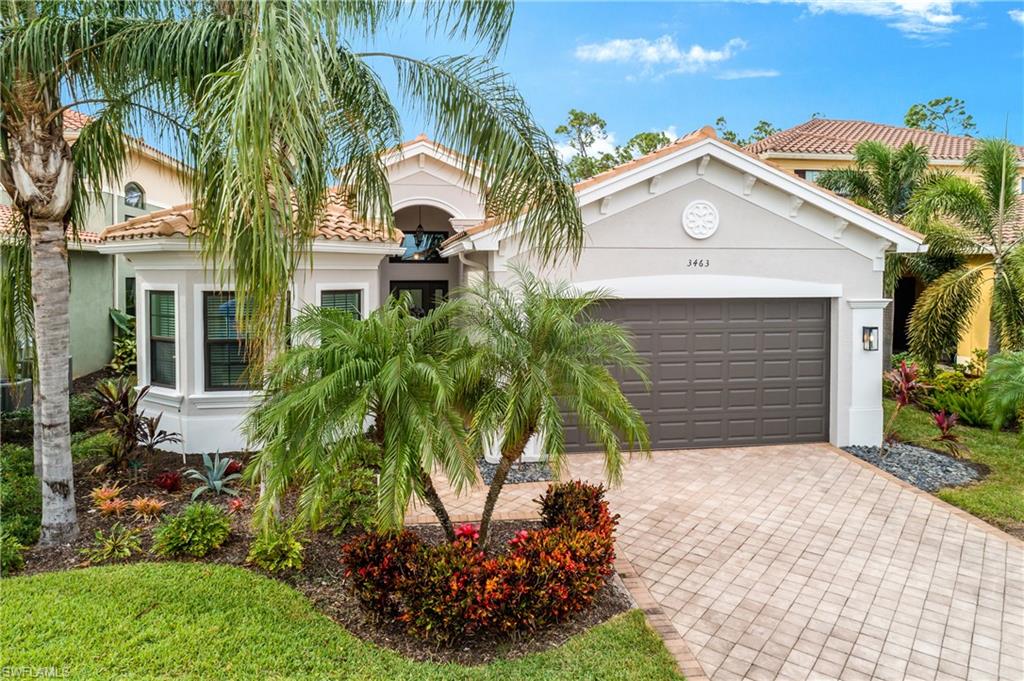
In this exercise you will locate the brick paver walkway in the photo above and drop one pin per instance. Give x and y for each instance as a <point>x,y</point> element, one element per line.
<point>801,562</point>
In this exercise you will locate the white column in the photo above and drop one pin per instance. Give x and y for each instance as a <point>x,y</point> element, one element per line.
<point>865,414</point>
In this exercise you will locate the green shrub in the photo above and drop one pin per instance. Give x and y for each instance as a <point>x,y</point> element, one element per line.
<point>82,411</point>
<point>21,500</point>
<point>11,558</point>
<point>93,446</point>
<point>16,426</point>
<point>952,381</point>
<point>353,501</point>
<point>276,548</point>
<point>196,531</point>
<point>900,357</point>
<point>117,545</point>
<point>970,406</point>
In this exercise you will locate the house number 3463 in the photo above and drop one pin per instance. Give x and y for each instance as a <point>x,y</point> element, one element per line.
<point>698,262</point>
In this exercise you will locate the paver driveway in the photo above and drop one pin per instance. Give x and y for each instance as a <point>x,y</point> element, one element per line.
<point>800,562</point>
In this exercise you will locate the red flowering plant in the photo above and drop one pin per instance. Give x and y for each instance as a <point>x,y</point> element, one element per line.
<point>946,422</point>
<point>378,566</point>
<point>904,386</point>
<point>234,466</point>
<point>236,505</point>
<point>169,481</point>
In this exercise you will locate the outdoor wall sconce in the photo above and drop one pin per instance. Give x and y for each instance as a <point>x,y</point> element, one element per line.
<point>869,337</point>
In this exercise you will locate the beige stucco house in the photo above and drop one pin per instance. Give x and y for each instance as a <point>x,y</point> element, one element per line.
<point>152,180</point>
<point>754,295</point>
<point>819,144</point>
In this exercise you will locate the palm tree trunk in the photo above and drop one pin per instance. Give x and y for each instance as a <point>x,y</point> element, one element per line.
<point>504,466</point>
<point>433,500</point>
<point>993,319</point>
<point>50,294</point>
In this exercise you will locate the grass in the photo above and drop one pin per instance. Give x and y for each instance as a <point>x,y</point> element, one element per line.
<point>999,498</point>
<point>201,621</point>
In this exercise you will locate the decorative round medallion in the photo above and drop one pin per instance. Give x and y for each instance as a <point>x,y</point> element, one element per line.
<point>700,219</point>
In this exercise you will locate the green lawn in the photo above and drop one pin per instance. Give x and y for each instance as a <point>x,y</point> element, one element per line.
<point>999,498</point>
<point>194,620</point>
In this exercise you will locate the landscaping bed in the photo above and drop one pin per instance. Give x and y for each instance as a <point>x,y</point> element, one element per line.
<point>923,468</point>
<point>521,471</point>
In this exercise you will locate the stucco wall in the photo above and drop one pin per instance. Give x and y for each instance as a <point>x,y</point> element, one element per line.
<point>91,298</point>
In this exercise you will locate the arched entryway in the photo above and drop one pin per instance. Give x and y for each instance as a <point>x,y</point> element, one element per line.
<point>420,270</point>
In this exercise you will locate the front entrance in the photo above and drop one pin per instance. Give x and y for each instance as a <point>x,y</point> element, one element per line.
<point>424,295</point>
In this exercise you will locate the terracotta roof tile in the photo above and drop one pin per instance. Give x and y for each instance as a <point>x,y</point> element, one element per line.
<point>337,224</point>
<point>830,137</point>
<point>7,217</point>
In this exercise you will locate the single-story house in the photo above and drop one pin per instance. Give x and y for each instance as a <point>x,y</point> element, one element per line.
<point>819,144</point>
<point>755,296</point>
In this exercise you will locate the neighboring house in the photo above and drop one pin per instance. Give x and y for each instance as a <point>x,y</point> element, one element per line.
<point>152,180</point>
<point>820,144</point>
<point>755,296</point>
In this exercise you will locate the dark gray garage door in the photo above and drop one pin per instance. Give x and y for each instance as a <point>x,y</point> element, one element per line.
<point>727,372</point>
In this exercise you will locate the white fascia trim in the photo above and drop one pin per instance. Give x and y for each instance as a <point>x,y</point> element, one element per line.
<point>233,399</point>
<point>825,158</point>
<point>710,286</point>
<point>428,148</point>
<point>75,245</point>
<point>148,245</point>
<point>463,245</point>
<point>332,246</point>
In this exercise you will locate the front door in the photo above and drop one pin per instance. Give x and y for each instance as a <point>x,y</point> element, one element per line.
<point>424,295</point>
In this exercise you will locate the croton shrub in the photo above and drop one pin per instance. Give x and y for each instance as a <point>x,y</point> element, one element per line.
<point>449,592</point>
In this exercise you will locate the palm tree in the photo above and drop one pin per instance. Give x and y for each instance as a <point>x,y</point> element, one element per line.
<point>965,217</point>
<point>882,180</point>
<point>393,371</point>
<point>1004,388</point>
<point>539,354</point>
<point>266,100</point>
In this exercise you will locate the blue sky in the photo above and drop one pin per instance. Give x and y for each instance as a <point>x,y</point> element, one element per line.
<point>678,66</point>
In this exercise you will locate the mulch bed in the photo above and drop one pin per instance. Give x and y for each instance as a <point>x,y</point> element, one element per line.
<point>322,579</point>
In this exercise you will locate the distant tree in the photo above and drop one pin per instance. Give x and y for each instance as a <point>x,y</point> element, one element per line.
<point>946,114</point>
<point>761,130</point>
<point>583,130</point>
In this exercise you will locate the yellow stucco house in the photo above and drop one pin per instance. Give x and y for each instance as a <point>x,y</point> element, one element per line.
<point>151,181</point>
<point>821,143</point>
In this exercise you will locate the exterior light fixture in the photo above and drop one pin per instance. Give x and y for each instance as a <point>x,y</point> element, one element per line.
<point>418,236</point>
<point>869,337</point>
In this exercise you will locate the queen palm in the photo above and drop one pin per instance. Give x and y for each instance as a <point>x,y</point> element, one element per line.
<point>540,355</point>
<point>384,386</point>
<point>882,180</point>
<point>966,217</point>
<point>266,100</point>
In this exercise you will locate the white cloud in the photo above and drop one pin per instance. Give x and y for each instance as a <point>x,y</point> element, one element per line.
<point>740,74</point>
<point>1017,15</point>
<point>914,18</point>
<point>661,52</point>
<point>600,146</point>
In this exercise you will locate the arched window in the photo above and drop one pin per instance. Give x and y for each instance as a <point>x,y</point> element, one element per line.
<point>134,195</point>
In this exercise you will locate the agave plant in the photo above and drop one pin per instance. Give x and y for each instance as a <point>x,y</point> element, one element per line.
<point>214,477</point>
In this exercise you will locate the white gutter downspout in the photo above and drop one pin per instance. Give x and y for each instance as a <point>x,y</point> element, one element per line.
<point>473,265</point>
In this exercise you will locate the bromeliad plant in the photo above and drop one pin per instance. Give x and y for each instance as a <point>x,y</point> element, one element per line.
<point>116,545</point>
<point>539,352</point>
<point>214,477</point>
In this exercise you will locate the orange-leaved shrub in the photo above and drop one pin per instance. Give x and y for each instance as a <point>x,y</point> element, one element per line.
<point>449,592</point>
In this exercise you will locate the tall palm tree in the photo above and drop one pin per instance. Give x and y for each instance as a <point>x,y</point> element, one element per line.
<point>393,371</point>
<point>539,354</point>
<point>965,217</point>
<point>882,180</point>
<point>267,100</point>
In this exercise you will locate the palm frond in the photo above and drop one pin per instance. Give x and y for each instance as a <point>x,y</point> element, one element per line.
<point>1004,387</point>
<point>942,314</point>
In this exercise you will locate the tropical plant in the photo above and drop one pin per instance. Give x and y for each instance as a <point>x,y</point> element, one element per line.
<point>196,531</point>
<point>119,405</point>
<point>12,556</point>
<point>116,545</point>
<point>262,156</point>
<point>538,353</point>
<point>236,505</point>
<point>168,481</point>
<point>214,477</point>
<point>101,444</point>
<point>904,388</point>
<point>150,436</point>
<point>105,493</point>
<point>964,217</point>
<point>882,180</point>
<point>147,508</point>
<point>124,355</point>
<point>1004,388</point>
<point>970,406</point>
<point>946,423</point>
<point>20,496</point>
<point>276,548</point>
<point>392,369</point>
